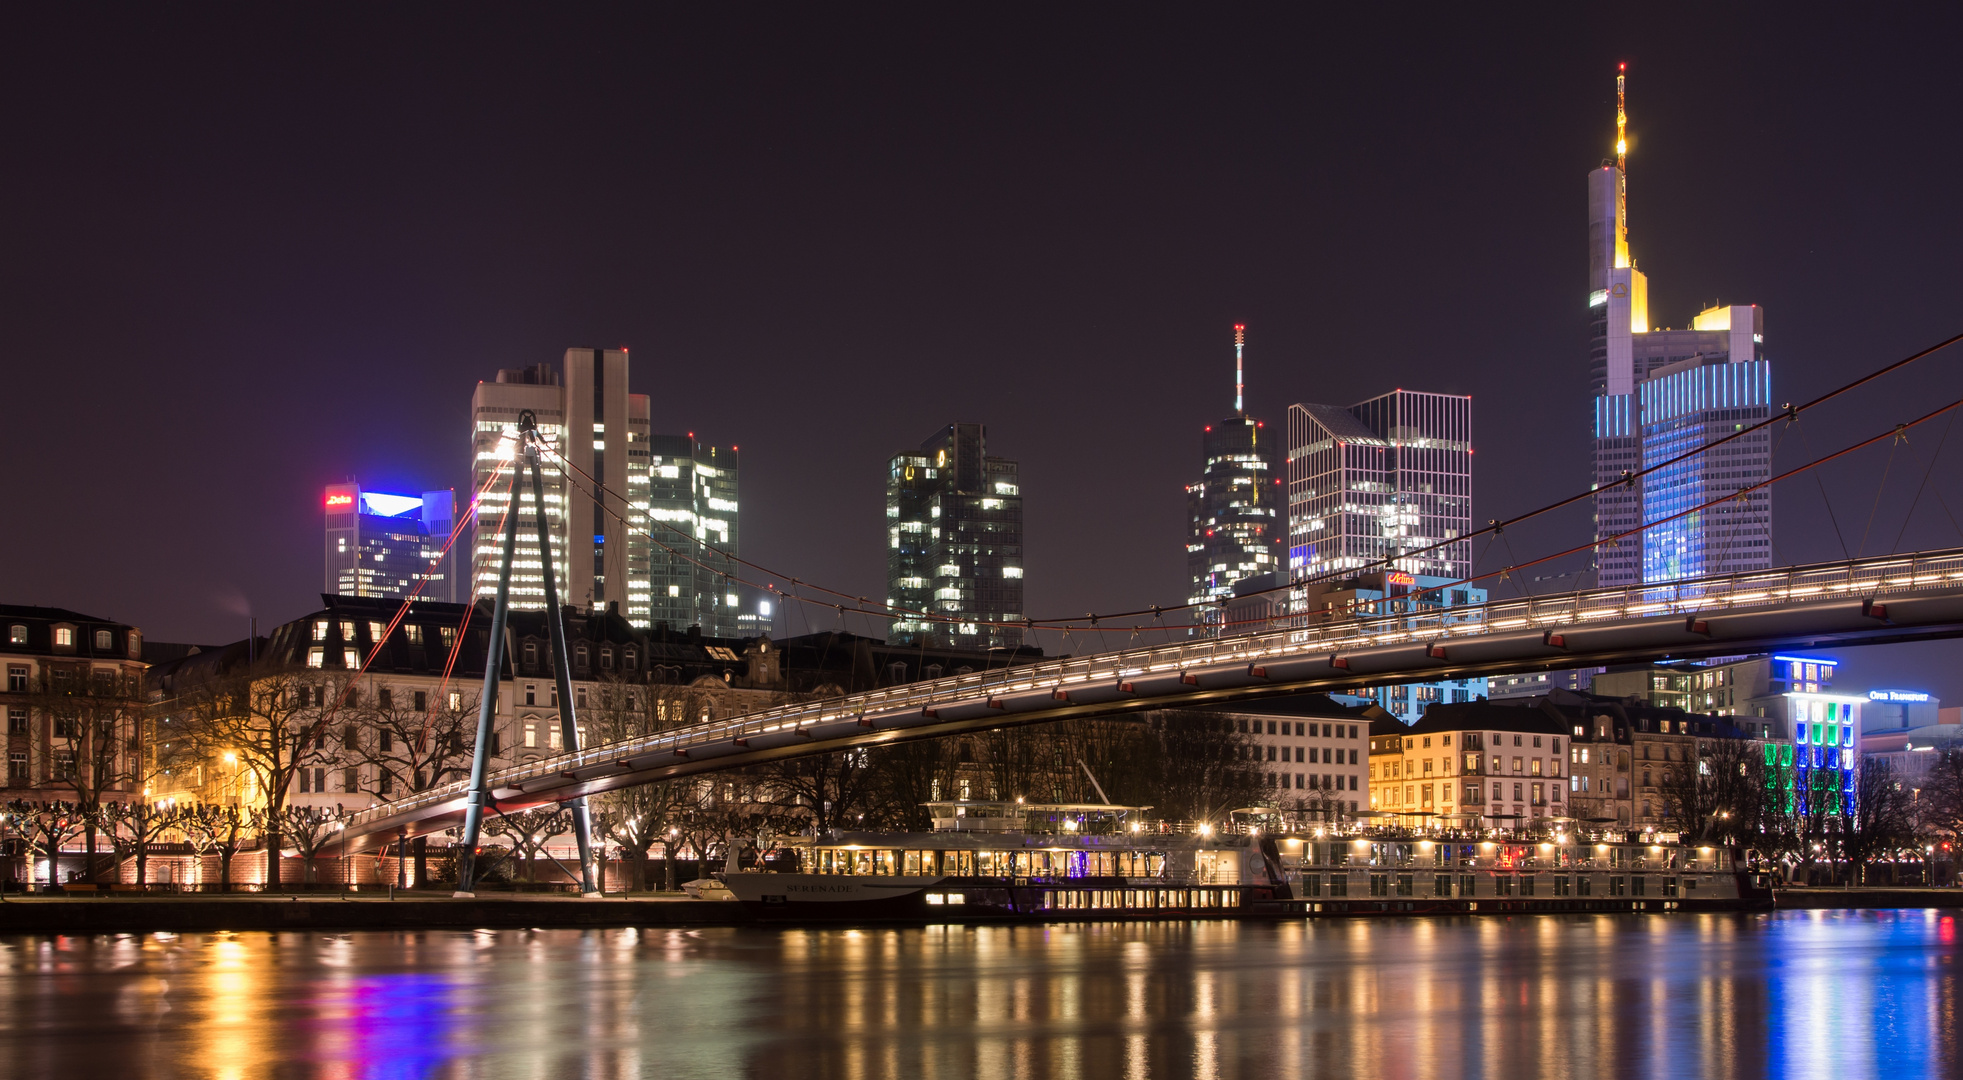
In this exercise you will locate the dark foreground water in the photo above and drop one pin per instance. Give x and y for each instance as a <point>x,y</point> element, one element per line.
<point>1840,995</point>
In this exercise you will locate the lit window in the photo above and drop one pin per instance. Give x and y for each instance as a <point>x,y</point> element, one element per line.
<point>350,658</point>
<point>65,635</point>
<point>376,631</point>
<point>316,657</point>
<point>17,634</point>
<point>320,630</point>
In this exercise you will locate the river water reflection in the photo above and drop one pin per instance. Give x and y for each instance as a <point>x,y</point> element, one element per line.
<point>1842,995</point>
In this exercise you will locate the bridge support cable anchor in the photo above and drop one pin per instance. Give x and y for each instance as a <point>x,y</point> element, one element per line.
<point>555,623</point>
<point>487,701</point>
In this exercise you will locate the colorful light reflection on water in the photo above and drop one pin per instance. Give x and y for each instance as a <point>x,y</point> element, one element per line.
<point>1840,995</point>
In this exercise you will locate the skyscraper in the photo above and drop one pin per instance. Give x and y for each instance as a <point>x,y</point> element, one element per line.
<point>1236,530</point>
<point>494,410</point>
<point>666,488</point>
<point>692,489</point>
<point>954,542</point>
<point>1660,393</point>
<point>1382,479</point>
<point>386,545</point>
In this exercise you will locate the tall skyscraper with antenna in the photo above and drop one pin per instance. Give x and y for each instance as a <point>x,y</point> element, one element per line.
<point>1235,508</point>
<point>1661,392</point>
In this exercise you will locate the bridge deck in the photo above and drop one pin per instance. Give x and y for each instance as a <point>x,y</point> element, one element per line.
<point>1894,598</point>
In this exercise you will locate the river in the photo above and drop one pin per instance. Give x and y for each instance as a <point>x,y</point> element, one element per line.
<point>1845,995</point>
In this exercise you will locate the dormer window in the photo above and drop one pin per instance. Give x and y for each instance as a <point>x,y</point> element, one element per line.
<point>606,659</point>
<point>64,637</point>
<point>627,659</point>
<point>17,634</point>
<point>104,640</point>
<point>579,658</point>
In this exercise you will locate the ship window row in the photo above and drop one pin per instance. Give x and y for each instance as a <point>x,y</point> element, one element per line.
<point>1042,863</point>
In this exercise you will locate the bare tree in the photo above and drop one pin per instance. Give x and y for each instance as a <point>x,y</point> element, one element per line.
<point>529,831</point>
<point>1715,798</point>
<point>636,818</point>
<point>409,749</point>
<point>54,821</point>
<point>267,719</point>
<point>1203,765</point>
<point>1015,761</point>
<point>96,720</point>
<point>1941,804</point>
<point>134,826</point>
<point>226,830</point>
<point>1882,818</point>
<point>911,774</point>
<point>309,829</point>
<point>830,790</point>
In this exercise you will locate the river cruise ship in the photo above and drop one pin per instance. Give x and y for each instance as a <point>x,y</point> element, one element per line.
<point>1059,862</point>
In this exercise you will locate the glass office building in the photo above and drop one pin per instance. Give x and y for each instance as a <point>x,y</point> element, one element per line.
<point>1660,392</point>
<point>388,545</point>
<point>1382,479</point>
<point>691,505</point>
<point>1685,407</point>
<point>608,536</point>
<point>954,543</point>
<point>1234,516</point>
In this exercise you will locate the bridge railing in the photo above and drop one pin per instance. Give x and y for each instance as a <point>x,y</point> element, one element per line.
<point>1301,633</point>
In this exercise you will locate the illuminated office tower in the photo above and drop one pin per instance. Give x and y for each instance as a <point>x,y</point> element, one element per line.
<point>1383,479</point>
<point>494,410</point>
<point>954,543</point>
<point>386,545</point>
<point>618,490</point>
<point>1236,532</point>
<point>1660,393</point>
<point>599,443</point>
<point>691,506</point>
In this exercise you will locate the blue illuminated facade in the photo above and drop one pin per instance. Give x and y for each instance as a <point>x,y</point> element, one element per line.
<point>1686,407</point>
<point>389,545</point>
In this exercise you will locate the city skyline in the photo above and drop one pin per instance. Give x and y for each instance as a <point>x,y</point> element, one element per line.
<point>777,359</point>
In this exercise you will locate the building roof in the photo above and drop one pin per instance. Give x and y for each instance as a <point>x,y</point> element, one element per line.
<point>51,614</point>
<point>1338,422</point>
<point>1476,716</point>
<point>1300,706</point>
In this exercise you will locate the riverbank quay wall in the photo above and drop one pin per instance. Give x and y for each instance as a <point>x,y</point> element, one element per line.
<point>116,915</point>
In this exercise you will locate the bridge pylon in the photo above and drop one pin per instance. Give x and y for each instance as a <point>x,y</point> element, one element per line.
<point>480,796</point>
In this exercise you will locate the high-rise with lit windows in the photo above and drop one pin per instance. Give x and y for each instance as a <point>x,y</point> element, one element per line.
<point>954,543</point>
<point>1660,393</point>
<point>389,545</point>
<point>1387,478</point>
<point>1233,511</point>
<point>494,411</point>
<point>1379,503</point>
<point>639,521</point>
<point>692,503</point>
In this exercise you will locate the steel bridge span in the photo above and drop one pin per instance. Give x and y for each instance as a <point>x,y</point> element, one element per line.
<point>1854,602</point>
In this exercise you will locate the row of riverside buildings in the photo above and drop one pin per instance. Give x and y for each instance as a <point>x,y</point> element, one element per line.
<point>92,706</point>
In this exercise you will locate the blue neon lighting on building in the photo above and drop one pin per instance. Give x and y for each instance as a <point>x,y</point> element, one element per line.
<point>383,505</point>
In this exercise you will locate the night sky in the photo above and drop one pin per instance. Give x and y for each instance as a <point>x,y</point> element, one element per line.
<point>251,251</point>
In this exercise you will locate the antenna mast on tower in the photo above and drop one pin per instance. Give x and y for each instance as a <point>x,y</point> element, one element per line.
<point>1621,147</point>
<point>1240,381</point>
